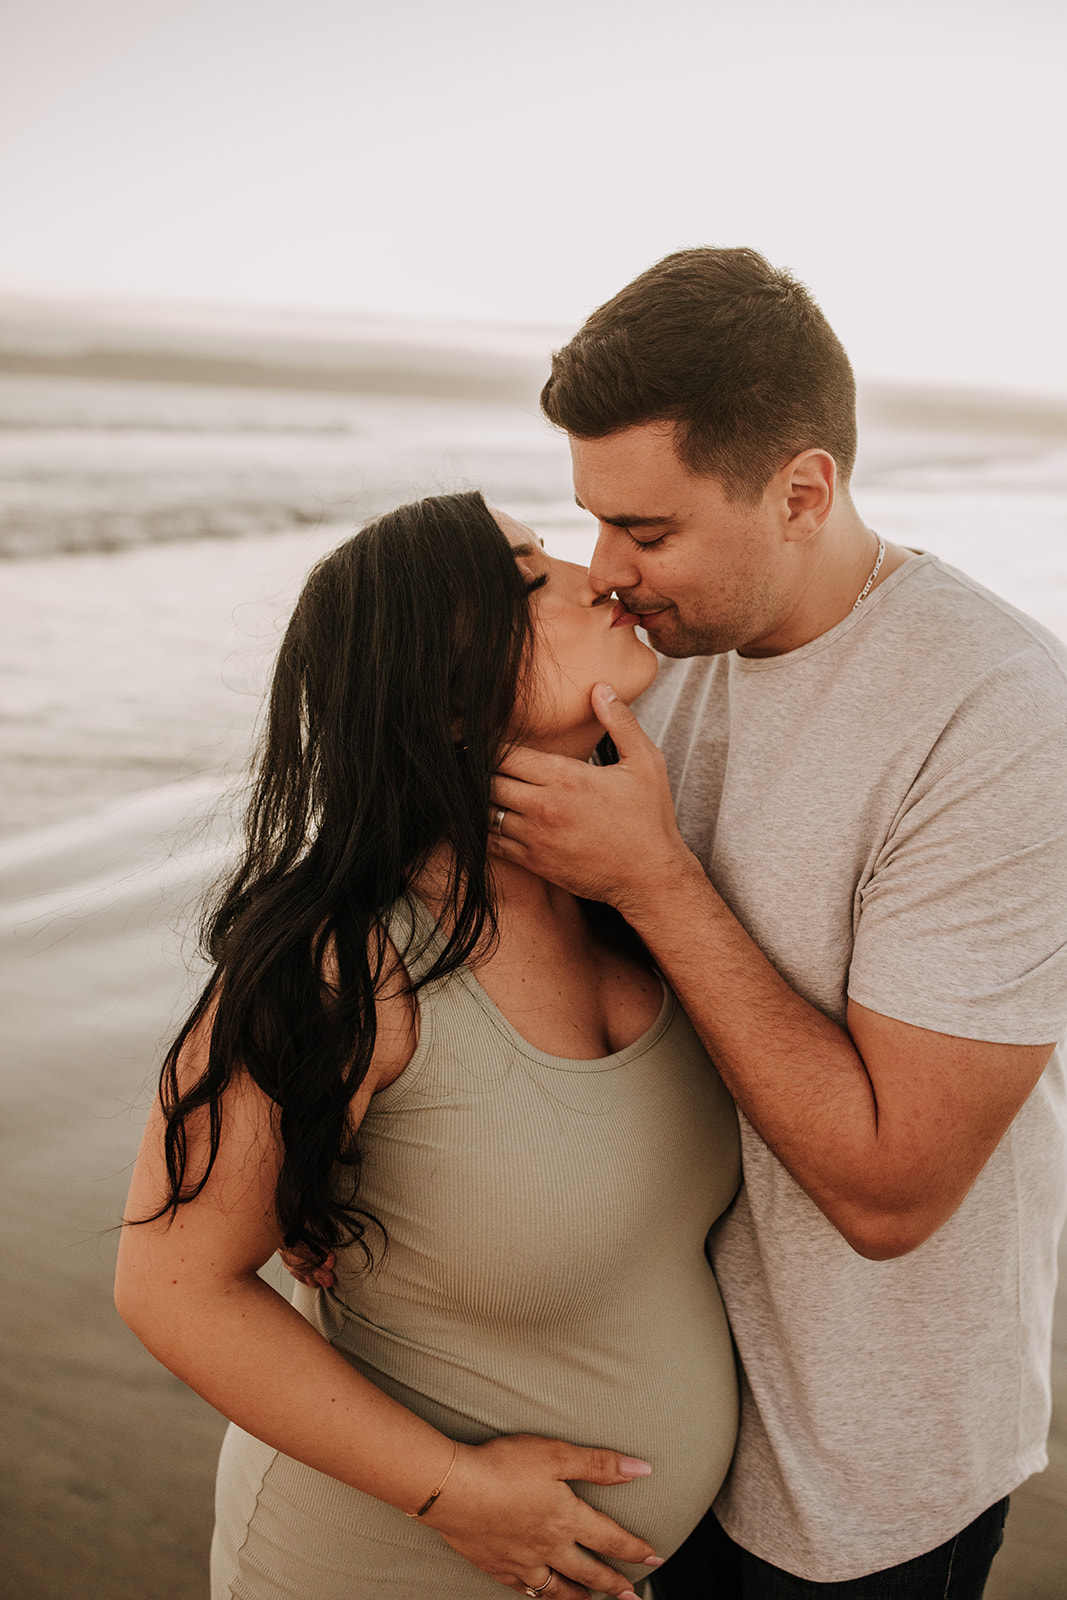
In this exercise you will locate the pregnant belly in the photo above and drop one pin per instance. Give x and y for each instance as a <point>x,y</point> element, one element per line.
<point>654,1380</point>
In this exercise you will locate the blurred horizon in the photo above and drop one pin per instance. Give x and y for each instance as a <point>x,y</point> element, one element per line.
<point>515,166</point>
<point>125,337</point>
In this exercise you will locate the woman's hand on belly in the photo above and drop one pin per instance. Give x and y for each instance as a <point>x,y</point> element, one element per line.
<point>509,1510</point>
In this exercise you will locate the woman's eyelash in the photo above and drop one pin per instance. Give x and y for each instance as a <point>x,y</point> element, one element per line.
<point>537,583</point>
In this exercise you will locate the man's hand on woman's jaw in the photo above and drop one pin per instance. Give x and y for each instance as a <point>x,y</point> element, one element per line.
<point>606,833</point>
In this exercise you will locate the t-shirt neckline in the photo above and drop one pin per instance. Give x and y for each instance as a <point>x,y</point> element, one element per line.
<point>920,561</point>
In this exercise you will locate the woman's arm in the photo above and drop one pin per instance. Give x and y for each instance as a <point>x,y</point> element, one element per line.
<point>189,1289</point>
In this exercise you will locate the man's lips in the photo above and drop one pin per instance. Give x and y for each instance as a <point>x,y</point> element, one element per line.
<point>623,617</point>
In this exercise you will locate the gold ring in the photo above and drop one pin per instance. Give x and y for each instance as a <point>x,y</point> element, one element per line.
<point>533,1593</point>
<point>498,827</point>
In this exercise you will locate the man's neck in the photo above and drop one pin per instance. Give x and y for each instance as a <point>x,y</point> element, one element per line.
<point>846,560</point>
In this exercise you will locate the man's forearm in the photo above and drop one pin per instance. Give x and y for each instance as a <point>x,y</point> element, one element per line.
<point>795,1074</point>
<point>885,1124</point>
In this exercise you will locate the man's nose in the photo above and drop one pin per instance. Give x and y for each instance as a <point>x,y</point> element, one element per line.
<point>612,565</point>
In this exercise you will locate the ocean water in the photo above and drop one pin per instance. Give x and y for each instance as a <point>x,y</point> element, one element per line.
<point>153,536</point>
<point>104,465</point>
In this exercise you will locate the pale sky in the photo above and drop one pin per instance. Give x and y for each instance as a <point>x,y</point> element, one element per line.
<point>522,159</point>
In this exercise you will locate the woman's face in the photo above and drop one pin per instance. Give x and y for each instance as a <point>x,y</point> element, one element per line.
<point>581,638</point>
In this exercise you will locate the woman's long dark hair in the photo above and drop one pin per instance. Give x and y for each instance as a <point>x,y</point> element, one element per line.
<point>396,683</point>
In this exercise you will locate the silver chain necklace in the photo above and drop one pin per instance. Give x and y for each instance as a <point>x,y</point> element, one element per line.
<point>865,591</point>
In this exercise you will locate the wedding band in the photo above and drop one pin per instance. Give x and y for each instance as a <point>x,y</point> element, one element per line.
<point>533,1593</point>
<point>498,827</point>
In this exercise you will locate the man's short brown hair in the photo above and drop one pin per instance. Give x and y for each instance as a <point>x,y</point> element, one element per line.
<point>733,351</point>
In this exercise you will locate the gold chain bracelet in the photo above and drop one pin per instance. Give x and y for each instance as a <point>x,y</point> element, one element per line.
<point>426,1504</point>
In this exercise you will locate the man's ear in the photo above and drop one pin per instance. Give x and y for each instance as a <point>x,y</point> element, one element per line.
<point>809,487</point>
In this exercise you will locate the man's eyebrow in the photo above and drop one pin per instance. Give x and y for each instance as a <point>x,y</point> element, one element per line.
<point>624,521</point>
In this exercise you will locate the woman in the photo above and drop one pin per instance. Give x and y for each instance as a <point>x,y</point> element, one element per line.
<point>452,1077</point>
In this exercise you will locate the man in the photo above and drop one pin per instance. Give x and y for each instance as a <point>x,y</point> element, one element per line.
<point>862,906</point>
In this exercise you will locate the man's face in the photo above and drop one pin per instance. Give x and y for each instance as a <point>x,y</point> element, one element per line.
<point>708,574</point>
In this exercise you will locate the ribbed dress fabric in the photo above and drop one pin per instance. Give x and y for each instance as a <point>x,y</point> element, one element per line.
<point>545,1273</point>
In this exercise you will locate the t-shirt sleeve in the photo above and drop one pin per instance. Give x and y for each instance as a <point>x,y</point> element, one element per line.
<point>963,917</point>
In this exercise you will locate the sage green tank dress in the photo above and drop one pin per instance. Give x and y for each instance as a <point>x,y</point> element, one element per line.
<point>545,1273</point>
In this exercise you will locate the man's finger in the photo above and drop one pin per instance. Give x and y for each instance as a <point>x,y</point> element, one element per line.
<point>616,718</point>
<point>535,766</point>
<point>507,849</point>
<point>510,795</point>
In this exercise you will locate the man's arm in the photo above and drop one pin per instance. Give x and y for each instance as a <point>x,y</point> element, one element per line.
<point>884,1125</point>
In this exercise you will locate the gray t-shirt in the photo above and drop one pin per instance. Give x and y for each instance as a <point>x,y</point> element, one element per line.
<point>885,810</point>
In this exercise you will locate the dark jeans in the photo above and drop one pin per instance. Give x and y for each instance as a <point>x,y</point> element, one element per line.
<point>709,1566</point>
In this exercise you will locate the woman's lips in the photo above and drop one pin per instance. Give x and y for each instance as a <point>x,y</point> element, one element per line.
<point>621,618</point>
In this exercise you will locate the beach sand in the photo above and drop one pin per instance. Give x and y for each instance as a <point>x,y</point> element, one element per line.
<point>106,1475</point>
<point>107,1469</point>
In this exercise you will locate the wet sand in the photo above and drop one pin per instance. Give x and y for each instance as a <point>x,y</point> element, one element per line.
<point>106,1475</point>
